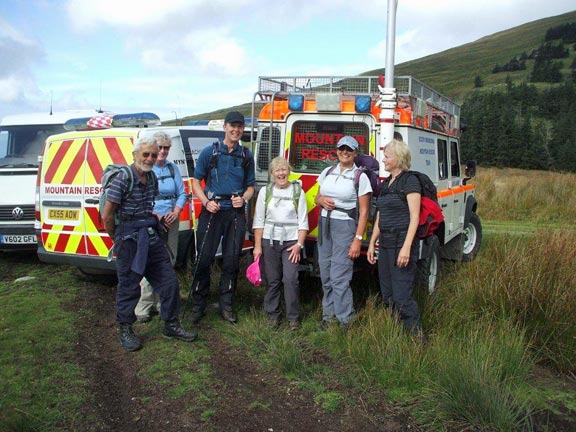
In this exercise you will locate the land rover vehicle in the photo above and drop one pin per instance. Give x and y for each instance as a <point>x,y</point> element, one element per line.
<point>303,117</point>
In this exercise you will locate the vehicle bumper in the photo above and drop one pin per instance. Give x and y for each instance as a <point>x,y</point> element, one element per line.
<point>85,262</point>
<point>17,238</point>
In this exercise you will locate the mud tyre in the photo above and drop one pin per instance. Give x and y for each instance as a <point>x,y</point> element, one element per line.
<point>472,238</point>
<point>428,270</point>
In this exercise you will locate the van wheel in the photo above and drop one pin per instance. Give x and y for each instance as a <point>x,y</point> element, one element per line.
<point>428,269</point>
<point>472,238</point>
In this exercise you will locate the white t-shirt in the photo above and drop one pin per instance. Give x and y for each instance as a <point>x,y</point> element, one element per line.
<point>340,187</point>
<point>280,209</point>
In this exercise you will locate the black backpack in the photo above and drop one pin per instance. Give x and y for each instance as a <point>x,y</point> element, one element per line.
<point>216,155</point>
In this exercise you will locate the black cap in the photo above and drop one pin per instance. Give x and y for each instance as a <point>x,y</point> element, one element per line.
<point>234,117</point>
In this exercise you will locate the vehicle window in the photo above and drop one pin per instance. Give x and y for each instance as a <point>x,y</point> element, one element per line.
<point>24,143</point>
<point>313,144</point>
<point>442,159</point>
<point>454,159</point>
<point>269,146</point>
<point>3,144</point>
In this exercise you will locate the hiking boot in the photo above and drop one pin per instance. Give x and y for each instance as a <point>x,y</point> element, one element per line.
<point>128,339</point>
<point>173,330</point>
<point>229,316</point>
<point>323,325</point>
<point>295,325</point>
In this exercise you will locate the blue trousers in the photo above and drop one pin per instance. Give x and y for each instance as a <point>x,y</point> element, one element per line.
<point>159,272</point>
<point>230,227</point>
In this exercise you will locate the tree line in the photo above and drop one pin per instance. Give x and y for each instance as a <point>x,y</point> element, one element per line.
<point>522,127</point>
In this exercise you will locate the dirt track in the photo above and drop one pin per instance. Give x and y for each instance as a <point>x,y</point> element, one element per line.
<point>125,401</point>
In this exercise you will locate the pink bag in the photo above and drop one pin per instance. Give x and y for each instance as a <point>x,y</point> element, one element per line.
<point>253,272</point>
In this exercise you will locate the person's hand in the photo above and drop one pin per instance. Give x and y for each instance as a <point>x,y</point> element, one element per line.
<point>370,256</point>
<point>295,251</point>
<point>212,206</point>
<point>354,251</point>
<point>237,201</point>
<point>403,257</point>
<point>256,252</point>
<point>326,203</point>
<point>171,217</point>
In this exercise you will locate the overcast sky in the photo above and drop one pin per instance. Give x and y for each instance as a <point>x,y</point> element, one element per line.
<point>184,57</point>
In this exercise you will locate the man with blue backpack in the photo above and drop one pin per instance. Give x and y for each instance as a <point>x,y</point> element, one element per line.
<point>140,252</point>
<point>228,170</point>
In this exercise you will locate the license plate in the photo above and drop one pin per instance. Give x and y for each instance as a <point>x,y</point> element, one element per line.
<point>63,214</point>
<point>17,239</point>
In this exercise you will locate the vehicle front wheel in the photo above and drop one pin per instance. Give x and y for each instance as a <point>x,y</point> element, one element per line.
<point>472,238</point>
<point>428,269</point>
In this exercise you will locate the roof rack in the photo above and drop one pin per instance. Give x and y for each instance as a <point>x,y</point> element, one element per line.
<point>405,86</point>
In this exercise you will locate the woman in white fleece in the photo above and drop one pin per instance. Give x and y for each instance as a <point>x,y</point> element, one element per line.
<point>280,227</point>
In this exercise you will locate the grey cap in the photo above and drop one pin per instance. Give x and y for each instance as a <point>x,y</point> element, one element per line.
<point>348,141</point>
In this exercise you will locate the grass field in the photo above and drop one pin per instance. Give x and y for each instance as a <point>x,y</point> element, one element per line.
<point>502,336</point>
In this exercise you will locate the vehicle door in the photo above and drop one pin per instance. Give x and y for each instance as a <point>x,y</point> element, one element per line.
<point>70,188</point>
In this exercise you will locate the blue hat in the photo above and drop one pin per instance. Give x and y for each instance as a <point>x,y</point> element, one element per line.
<point>348,141</point>
<point>234,117</point>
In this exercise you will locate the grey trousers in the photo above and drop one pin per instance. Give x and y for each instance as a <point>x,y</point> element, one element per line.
<point>336,269</point>
<point>279,270</point>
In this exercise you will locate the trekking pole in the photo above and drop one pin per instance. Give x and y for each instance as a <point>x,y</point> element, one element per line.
<point>199,255</point>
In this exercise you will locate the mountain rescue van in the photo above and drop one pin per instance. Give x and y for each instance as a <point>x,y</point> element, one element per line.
<point>302,119</point>
<point>68,226</point>
<point>21,140</point>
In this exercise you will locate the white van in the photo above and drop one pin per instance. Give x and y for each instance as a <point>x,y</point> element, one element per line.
<point>68,226</point>
<point>21,140</point>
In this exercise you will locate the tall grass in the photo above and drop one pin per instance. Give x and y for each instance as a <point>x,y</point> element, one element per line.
<point>519,195</point>
<point>480,375</point>
<point>531,281</point>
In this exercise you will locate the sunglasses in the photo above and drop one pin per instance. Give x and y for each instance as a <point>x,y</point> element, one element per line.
<point>167,148</point>
<point>146,155</point>
<point>346,149</point>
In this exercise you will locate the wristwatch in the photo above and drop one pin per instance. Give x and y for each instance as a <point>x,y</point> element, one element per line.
<point>358,237</point>
<point>301,245</point>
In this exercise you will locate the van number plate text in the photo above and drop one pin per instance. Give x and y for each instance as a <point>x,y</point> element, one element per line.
<point>17,239</point>
<point>65,215</point>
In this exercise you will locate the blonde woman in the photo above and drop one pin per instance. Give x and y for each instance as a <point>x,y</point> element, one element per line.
<point>280,227</point>
<point>395,228</point>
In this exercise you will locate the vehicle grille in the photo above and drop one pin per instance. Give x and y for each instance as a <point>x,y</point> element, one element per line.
<point>7,213</point>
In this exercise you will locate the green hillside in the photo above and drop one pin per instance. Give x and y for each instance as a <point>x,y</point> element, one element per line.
<point>452,72</point>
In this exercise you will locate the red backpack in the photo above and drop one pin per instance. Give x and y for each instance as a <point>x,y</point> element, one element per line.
<point>431,215</point>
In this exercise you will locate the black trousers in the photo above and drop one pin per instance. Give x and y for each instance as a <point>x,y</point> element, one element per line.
<point>228,226</point>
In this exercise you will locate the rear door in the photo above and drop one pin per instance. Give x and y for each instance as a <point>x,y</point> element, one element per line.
<point>70,187</point>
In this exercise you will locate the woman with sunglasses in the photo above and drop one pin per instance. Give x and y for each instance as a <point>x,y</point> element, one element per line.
<point>169,202</point>
<point>341,227</point>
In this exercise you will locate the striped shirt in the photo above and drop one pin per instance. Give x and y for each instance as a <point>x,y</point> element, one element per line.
<point>140,203</point>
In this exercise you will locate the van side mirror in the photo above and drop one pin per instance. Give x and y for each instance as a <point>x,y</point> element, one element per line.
<point>470,170</point>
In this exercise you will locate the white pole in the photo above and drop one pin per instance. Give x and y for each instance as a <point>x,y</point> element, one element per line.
<point>390,42</point>
<point>387,99</point>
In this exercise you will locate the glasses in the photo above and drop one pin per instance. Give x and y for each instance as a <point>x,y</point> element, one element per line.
<point>346,149</point>
<point>167,148</point>
<point>146,155</point>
